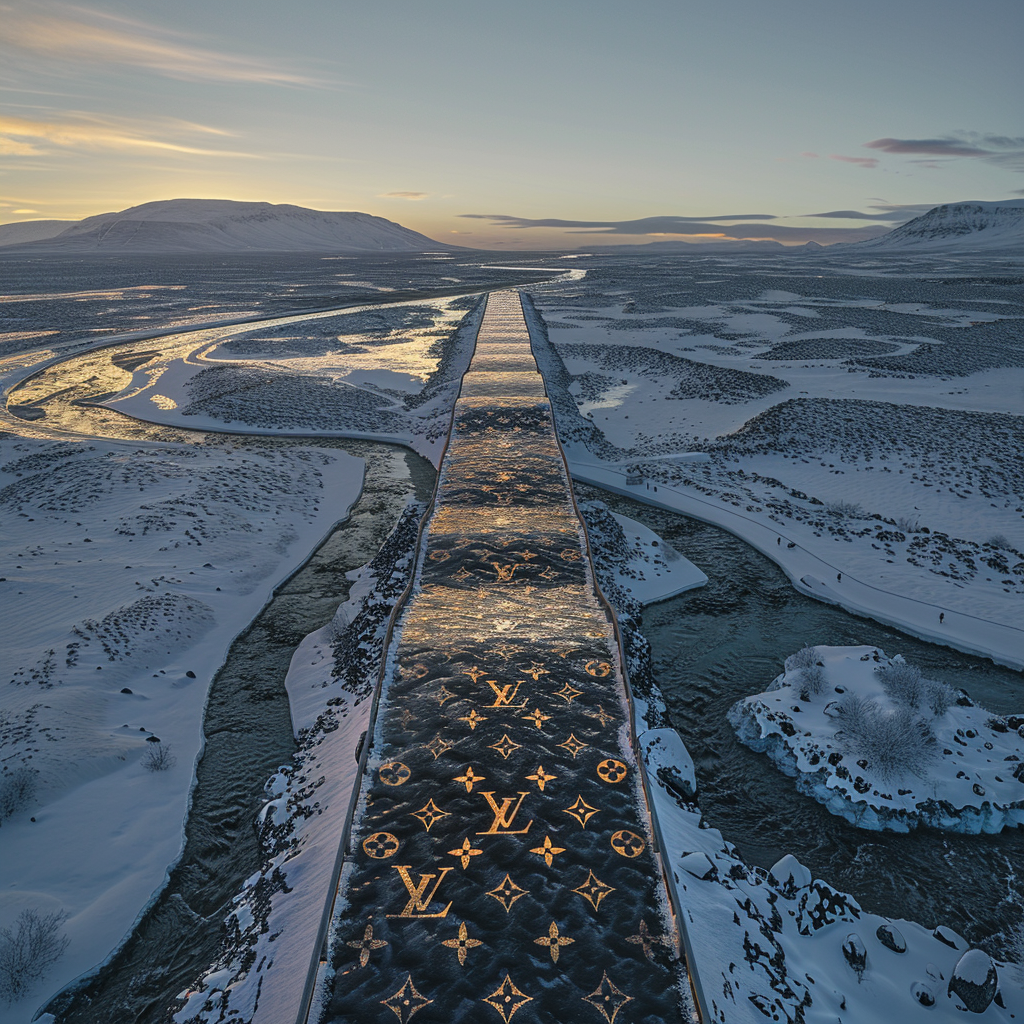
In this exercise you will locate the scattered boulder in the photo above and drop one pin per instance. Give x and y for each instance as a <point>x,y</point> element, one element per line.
<point>922,993</point>
<point>891,937</point>
<point>699,865</point>
<point>125,689</point>
<point>947,936</point>
<point>790,876</point>
<point>856,954</point>
<point>152,739</point>
<point>821,905</point>
<point>190,674</point>
<point>974,980</point>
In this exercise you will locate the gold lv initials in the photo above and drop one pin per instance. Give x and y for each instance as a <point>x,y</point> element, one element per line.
<point>419,898</point>
<point>502,697</point>
<point>504,815</point>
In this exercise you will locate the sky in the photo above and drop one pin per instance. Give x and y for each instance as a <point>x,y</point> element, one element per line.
<point>525,125</point>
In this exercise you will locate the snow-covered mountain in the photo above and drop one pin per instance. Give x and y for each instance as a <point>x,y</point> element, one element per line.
<point>976,225</point>
<point>222,225</point>
<point>31,230</point>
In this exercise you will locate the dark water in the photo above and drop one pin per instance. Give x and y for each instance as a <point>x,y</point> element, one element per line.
<point>248,734</point>
<point>727,640</point>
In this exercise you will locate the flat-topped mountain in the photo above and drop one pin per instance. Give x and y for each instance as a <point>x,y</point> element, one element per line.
<point>973,225</point>
<point>223,225</point>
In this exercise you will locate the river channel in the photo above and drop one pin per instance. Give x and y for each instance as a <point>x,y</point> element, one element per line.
<point>729,639</point>
<point>248,734</point>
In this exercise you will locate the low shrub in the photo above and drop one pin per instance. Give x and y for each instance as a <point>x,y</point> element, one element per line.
<point>903,683</point>
<point>940,698</point>
<point>17,787</point>
<point>894,741</point>
<point>28,949</point>
<point>158,758</point>
<point>804,658</point>
<point>814,682</point>
<point>844,509</point>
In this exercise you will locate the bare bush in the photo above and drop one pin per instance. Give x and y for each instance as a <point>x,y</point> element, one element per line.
<point>158,758</point>
<point>902,682</point>
<point>895,742</point>
<point>28,949</point>
<point>909,524</point>
<point>998,540</point>
<point>941,698</point>
<point>844,509</point>
<point>17,787</point>
<point>814,682</point>
<point>804,658</point>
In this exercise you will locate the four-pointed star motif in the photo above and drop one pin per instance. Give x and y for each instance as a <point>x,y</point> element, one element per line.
<point>554,941</point>
<point>506,999</point>
<point>366,945</point>
<point>547,851</point>
<point>507,893</point>
<point>581,811</point>
<point>406,1001</point>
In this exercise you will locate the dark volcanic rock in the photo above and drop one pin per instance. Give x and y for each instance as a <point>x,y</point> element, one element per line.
<point>974,980</point>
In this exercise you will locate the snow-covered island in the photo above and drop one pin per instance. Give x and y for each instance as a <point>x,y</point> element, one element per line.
<point>885,748</point>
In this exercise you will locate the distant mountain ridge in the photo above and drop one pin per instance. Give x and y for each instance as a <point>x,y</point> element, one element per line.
<point>970,225</point>
<point>31,230</point>
<point>224,225</point>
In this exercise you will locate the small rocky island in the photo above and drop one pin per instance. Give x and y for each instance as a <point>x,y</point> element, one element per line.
<point>880,745</point>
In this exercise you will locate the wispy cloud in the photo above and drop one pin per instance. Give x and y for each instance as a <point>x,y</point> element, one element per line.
<point>1001,150</point>
<point>67,33</point>
<point>403,195</point>
<point>687,227</point>
<point>869,162</point>
<point>21,136</point>
<point>889,212</point>
<point>644,226</point>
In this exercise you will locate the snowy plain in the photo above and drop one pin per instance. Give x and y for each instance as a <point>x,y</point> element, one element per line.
<point>860,337</point>
<point>867,430</point>
<point>129,566</point>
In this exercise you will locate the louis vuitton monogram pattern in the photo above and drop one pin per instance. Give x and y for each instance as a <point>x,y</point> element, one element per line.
<point>501,867</point>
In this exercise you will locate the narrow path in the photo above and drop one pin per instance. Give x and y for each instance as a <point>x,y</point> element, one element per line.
<point>501,860</point>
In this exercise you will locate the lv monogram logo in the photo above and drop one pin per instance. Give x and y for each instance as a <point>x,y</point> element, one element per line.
<point>502,697</point>
<point>419,898</point>
<point>505,815</point>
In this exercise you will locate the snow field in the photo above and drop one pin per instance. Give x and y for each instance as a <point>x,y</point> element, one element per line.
<point>882,482</point>
<point>127,572</point>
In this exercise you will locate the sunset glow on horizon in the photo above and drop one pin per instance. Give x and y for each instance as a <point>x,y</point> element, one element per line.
<point>492,127</point>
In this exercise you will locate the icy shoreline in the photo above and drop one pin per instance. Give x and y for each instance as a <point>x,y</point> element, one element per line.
<point>275,924</point>
<point>783,944</point>
<point>812,576</point>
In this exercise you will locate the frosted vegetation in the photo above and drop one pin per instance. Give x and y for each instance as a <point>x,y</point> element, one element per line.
<point>879,744</point>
